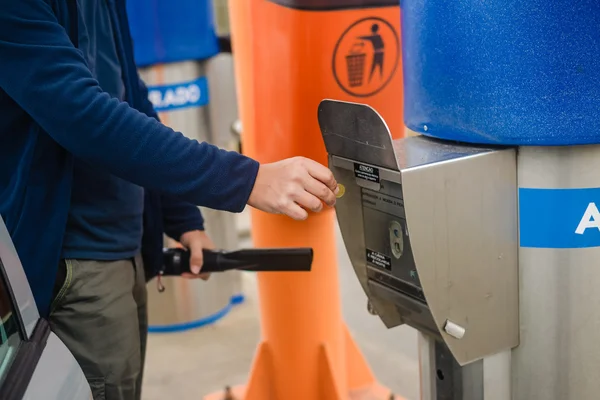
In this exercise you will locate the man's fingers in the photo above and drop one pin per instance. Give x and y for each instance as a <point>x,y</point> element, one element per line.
<point>319,190</point>
<point>204,277</point>
<point>196,259</point>
<point>294,211</point>
<point>308,201</point>
<point>321,173</point>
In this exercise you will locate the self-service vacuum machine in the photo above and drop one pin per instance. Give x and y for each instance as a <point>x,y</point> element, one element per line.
<point>431,230</point>
<point>481,229</point>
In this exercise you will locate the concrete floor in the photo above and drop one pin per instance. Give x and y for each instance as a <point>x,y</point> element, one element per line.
<point>189,365</point>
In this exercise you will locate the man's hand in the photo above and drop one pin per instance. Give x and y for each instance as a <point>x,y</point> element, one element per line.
<point>293,186</point>
<point>195,242</point>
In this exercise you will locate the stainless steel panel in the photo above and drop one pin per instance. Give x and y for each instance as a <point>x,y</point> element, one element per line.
<point>459,204</point>
<point>349,214</point>
<point>559,167</point>
<point>419,151</point>
<point>357,132</point>
<point>559,356</point>
<point>462,219</point>
<point>412,312</point>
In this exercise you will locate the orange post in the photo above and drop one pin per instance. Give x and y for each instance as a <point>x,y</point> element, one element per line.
<point>287,60</point>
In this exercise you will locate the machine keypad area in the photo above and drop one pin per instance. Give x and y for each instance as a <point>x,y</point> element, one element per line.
<point>388,252</point>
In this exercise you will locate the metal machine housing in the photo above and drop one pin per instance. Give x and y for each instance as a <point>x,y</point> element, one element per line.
<point>430,228</point>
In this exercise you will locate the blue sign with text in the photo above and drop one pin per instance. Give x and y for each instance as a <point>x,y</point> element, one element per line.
<point>559,218</point>
<point>179,96</point>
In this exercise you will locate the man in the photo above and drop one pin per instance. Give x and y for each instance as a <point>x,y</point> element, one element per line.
<point>378,50</point>
<point>82,156</point>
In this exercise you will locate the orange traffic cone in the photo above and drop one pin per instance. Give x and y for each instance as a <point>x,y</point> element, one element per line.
<point>287,60</point>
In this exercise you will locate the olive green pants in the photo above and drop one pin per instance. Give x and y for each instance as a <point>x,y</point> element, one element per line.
<point>100,313</point>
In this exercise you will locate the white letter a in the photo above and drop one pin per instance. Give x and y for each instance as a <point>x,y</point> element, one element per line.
<point>591,219</point>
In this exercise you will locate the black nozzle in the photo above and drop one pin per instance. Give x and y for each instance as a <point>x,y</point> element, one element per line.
<point>177,261</point>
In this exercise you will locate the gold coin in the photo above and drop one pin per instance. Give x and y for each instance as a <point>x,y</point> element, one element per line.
<point>341,191</point>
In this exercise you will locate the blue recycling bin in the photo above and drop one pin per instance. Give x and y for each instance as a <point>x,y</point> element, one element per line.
<point>503,72</point>
<point>166,31</point>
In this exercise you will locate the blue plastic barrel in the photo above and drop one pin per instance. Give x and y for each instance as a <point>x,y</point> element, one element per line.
<point>166,31</point>
<point>517,72</point>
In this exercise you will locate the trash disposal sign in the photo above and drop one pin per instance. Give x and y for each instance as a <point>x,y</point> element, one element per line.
<point>180,95</point>
<point>366,57</point>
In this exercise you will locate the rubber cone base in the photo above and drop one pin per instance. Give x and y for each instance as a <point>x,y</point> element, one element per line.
<point>361,382</point>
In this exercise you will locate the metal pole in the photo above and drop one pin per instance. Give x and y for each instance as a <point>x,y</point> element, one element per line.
<point>427,370</point>
<point>221,12</point>
<point>223,113</point>
<point>496,376</point>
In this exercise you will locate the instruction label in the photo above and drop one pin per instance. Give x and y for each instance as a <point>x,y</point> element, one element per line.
<point>379,260</point>
<point>366,172</point>
<point>382,202</point>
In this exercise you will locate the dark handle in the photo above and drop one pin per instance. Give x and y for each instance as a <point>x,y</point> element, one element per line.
<point>177,261</point>
<point>225,44</point>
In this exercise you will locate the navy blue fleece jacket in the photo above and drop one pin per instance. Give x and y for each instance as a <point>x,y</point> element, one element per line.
<point>52,109</point>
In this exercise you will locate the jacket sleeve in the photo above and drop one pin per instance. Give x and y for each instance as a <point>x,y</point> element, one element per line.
<point>147,107</point>
<point>46,75</point>
<point>180,217</point>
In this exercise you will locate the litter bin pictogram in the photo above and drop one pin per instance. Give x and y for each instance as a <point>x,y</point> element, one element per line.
<point>355,61</point>
<point>366,57</point>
